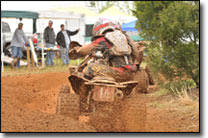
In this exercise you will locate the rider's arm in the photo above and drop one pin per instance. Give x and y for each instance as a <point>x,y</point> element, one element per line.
<point>86,49</point>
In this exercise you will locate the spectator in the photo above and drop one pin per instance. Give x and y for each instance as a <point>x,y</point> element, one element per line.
<point>49,37</point>
<point>63,39</point>
<point>18,41</point>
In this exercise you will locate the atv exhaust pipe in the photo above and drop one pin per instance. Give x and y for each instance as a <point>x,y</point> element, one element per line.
<point>119,95</point>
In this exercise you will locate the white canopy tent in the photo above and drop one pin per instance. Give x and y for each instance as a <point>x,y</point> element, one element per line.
<point>59,15</point>
<point>90,16</point>
<point>73,21</point>
<point>116,15</point>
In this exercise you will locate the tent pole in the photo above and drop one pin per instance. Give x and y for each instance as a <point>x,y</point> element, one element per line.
<point>79,42</point>
<point>42,50</point>
<point>2,52</point>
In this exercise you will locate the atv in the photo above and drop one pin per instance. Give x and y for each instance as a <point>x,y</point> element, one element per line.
<point>110,105</point>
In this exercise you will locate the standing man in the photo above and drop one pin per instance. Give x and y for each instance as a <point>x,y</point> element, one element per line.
<point>18,41</point>
<point>63,39</point>
<point>49,37</point>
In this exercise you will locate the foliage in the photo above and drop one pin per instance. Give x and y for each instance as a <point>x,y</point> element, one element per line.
<point>184,95</point>
<point>92,4</point>
<point>178,85</point>
<point>173,29</point>
<point>125,6</point>
<point>108,4</point>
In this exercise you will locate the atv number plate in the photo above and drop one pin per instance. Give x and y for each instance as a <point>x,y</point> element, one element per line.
<point>103,94</point>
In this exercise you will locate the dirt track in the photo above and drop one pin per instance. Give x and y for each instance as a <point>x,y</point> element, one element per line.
<point>28,104</point>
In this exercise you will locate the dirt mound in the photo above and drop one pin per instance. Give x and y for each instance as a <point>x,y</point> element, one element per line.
<point>29,103</point>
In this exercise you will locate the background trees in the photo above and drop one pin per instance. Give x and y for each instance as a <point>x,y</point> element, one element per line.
<point>172,27</point>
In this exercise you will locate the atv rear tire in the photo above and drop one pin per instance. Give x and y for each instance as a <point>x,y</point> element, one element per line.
<point>68,103</point>
<point>143,81</point>
<point>133,114</point>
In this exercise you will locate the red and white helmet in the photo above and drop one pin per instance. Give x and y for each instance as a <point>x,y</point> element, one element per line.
<point>102,25</point>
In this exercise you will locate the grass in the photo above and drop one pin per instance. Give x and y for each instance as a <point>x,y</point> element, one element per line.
<point>58,67</point>
<point>181,101</point>
<point>157,105</point>
<point>183,95</point>
<point>143,64</point>
<point>159,93</point>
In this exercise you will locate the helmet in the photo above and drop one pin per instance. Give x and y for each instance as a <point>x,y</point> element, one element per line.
<point>102,25</point>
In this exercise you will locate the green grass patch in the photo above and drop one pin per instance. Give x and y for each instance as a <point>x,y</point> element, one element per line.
<point>178,85</point>
<point>159,93</point>
<point>143,64</point>
<point>58,67</point>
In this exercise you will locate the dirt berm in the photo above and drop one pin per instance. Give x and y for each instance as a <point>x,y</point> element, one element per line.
<point>28,105</point>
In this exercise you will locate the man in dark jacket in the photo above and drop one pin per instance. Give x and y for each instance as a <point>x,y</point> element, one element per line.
<point>49,37</point>
<point>63,39</point>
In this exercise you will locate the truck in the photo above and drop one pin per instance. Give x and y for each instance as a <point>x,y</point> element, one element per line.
<point>7,39</point>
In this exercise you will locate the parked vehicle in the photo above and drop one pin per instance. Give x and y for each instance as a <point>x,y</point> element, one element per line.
<point>7,38</point>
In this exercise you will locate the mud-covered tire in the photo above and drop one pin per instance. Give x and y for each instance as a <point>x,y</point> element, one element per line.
<point>143,81</point>
<point>68,103</point>
<point>151,81</point>
<point>133,114</point>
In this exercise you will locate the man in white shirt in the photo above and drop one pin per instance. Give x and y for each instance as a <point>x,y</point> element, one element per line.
<point>18,41</point>
<point>63,39</point>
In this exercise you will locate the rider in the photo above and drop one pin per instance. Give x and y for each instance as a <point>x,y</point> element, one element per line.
<point>117,50</point>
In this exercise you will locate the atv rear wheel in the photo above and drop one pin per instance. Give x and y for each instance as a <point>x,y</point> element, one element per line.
<point>143,81</point>
<point>68,103</point>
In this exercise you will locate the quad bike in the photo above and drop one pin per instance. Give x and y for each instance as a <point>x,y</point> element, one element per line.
<point>110,105</point>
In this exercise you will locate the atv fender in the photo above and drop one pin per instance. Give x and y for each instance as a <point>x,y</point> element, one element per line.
<point>78,84</point>
<point>129,87</point>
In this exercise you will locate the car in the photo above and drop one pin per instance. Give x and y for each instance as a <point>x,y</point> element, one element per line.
<point>7,38</point>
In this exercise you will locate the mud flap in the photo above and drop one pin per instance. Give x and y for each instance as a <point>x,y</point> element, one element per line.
<point>78,84</point>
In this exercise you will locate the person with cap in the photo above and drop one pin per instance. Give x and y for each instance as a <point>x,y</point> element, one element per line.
<point>49,37</point>
<point>18,41</point>
<point>63,39</point>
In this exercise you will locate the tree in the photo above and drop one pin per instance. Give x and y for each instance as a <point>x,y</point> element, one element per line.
<point>92,4</point>
<point>106,6</point>
<point>173,29</point>
<point>123,6</point>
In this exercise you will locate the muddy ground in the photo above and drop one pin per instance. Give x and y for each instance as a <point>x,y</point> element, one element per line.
<point>28,104</point>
